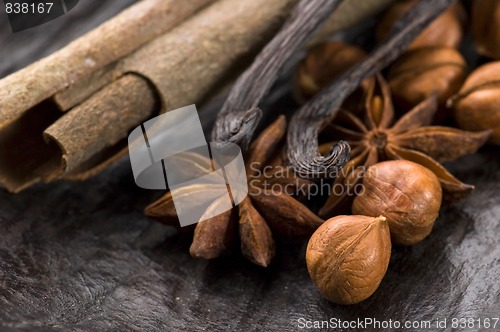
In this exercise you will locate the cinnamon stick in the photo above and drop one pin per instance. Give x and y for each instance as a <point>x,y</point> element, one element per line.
<point>136,25</point>
<point>179,68</point>
<point>79,91</point>
<point>183,73</point>
<point>115,119</point>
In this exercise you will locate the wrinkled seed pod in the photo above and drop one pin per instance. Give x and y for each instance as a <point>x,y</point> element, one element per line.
<point>477,105</point>
<point>446,30</point>
<point>324,63</point>
<point>486,27</point>
<point>348,256</point>
<point>407,194</point>
<point>421,72</point>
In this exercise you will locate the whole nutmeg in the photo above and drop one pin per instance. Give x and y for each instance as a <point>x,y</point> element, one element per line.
<point>476,106</point>
<point>445,30</point>
<point>421,72</point>
<point>348,256</point>
<point>486,27</point>
<point>407,194</point>
<point>322,65</point>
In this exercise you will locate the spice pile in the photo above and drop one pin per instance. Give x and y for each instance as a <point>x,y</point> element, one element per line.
<point>377,138</point>
<point>400,129</point>
<point>348,256</point>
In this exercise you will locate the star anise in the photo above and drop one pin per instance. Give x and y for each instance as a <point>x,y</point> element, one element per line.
<point>263,210</point>
<point>376,138</point>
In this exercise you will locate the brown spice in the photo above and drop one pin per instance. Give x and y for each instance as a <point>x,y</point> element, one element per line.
<point>421,72</point>
<point>233,123</point>
<point>348,256</point>
<point>84,88</point>
<point>476,105</point>
<point>350,13</point>
<point>260,212</point>
<point>446,30</point>
<point>220,40</point>
<point>137,25</point>
<point>406,193</point>
<point>75,131</point>
<point>302,145</point>
<point>324,63</point>
<point>236,122</point>
<point>486,27</point>
<point>220,37</point>
<point>378,138</point>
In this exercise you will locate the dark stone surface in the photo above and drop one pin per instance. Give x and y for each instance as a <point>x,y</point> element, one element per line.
<point>81,256</point>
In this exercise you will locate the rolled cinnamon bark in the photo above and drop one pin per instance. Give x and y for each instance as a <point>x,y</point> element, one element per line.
<point>78,92</point>
<point>76,131</point>
<point>182,66</point>
<point>114,39</point>
<point>178,68</point>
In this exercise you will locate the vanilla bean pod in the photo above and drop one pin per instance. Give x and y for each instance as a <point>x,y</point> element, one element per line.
<point>302,139</point>
<point>239,116</point>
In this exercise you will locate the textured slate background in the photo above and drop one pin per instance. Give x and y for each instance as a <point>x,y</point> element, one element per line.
<point>81,256</point>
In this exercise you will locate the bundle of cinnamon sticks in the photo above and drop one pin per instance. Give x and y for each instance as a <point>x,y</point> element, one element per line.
<point>68,115</point>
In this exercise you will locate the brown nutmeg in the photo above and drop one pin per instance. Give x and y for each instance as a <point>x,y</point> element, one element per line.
<point>347,257</point>
<point>324,63</point>
<point>421,72</point>
<point>407,194</point>
<point>446,30</point>
<point>476,106</point>
<point>486,27</point>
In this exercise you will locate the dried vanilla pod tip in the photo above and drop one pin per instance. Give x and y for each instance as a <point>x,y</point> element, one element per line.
<point>476,106</point>
<point>486,27</point>
<point>348,256</point>
<point>421,72</point>
<point>324,63</point>
<point>407,194</point>
<point>446,30</point>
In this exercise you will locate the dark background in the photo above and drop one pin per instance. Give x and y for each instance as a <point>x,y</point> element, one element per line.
<point>81,256</point>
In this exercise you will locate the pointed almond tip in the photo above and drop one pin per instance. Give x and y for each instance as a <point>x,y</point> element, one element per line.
<point>450,102</point>
<point>281,121</point>
<point>262,261</point>
<point>147,212</point>
<point>323,213</point>
<point>152,210</point>
<point>380,219</point>
<point>466,188</point>
<point>203,253</point>
<point>263,264</point>
<point>160,208</point>
<point>487,134</point>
